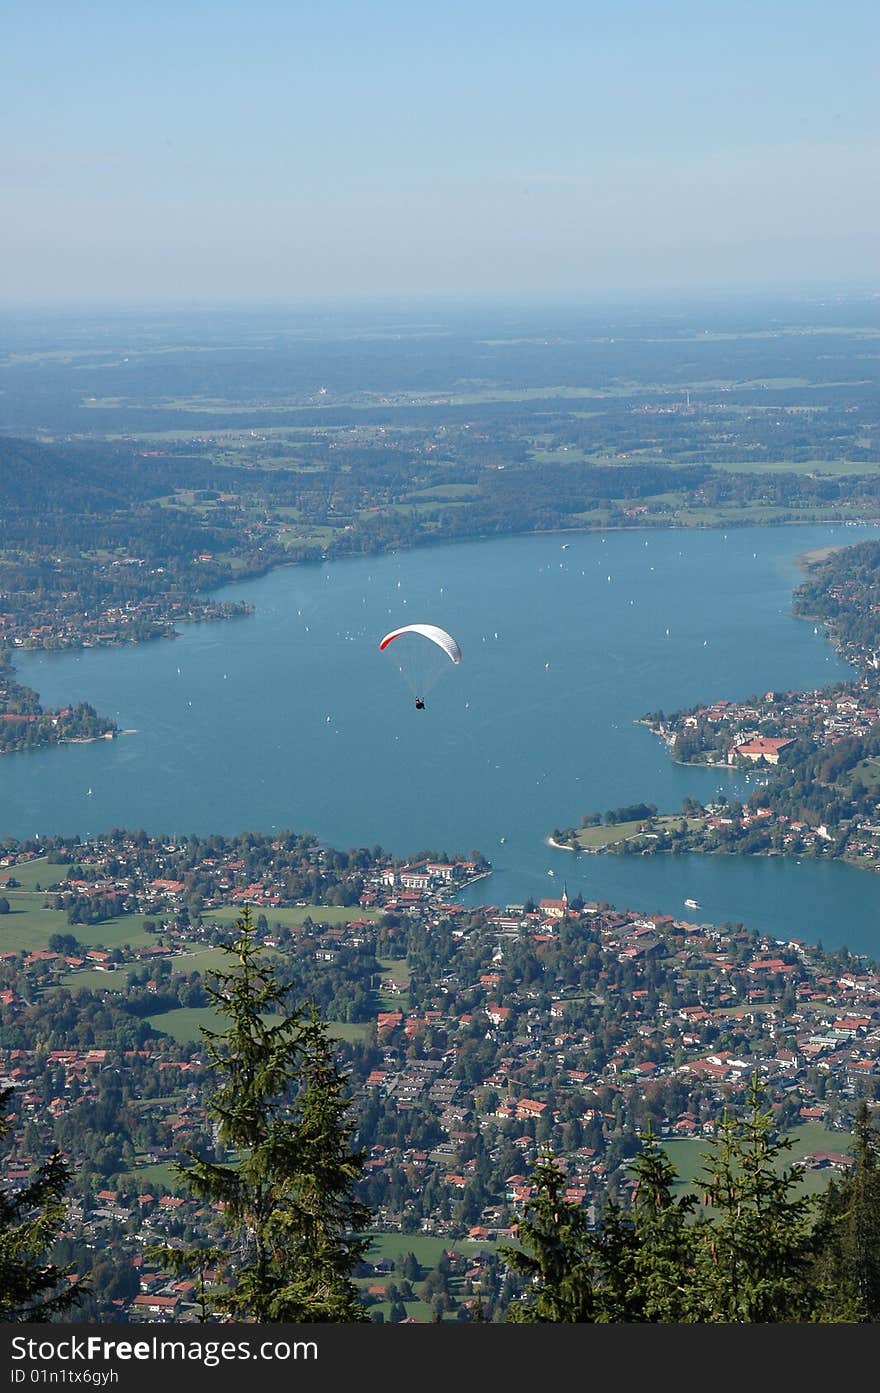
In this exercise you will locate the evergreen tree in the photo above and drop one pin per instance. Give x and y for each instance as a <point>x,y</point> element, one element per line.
<point>756,1250</point>
<point>287,1193</point>
<point>751,1258</point>
<point>318,1233</point>
<point>557,1255</point>
<point>849,1232</point>
<point>32,1289</point>
<point>649,1265</point>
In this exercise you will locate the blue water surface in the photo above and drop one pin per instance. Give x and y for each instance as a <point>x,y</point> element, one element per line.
<point>292,718</point>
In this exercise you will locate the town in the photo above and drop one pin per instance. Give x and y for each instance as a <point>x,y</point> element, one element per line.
<point>472,1038</point>
<point>760,730</point>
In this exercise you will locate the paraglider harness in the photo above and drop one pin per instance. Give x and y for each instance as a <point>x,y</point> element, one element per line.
<point>420,705</point>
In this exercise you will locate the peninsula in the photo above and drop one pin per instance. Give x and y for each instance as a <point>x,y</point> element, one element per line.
<point>814,755</point>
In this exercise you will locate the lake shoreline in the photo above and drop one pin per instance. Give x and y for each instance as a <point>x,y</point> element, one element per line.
<point>507,740</point>
<point>804,561</point>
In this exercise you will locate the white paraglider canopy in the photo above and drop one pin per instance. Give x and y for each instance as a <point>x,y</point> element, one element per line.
<point>439,636</point>
<point>423,653</point>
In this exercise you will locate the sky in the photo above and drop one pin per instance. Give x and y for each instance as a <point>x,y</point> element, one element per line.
<point>203,151</point>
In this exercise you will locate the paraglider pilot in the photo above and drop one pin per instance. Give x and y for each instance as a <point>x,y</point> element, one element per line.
<point>443,640</point>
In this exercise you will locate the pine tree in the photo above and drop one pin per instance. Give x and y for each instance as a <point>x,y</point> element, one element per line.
<point>751,1258</point>
<point>557,1256</point>
<point>32,1289</point>
<point>660,1270</point>
<point>287,1195</point>
<point>756,1251</point>
<point>849,1232</point>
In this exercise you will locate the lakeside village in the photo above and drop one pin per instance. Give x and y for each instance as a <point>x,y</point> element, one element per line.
<point>812,757</point>
<point>781,729</point>
<point>472,1037</point>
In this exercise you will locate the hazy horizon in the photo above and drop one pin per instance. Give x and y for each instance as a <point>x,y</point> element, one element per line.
<point>677,302</point>
<point>201,154</point>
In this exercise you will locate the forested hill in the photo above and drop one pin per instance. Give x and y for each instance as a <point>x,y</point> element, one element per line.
<point>80,498</point>
<point>80,476</point>
<point>37,478</point>
<point>843,589</point>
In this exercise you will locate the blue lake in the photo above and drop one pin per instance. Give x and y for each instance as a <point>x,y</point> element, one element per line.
<point>292,718</point>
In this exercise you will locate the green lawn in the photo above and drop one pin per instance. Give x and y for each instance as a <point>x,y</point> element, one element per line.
<point>596,837</point>
<point>29,926</point>
<point>427,1248</point>
<point>113,933</point>
<point>30,874</point>
<point>91,980</point>
<point>195,958</point>
<point>418,1311</point>
<point>867,771</point>
<point>395,968</point>
<point>183,1023</point>
<point>159,1173</point>
<point>24,928</point>
<point>349,1030</point>
<point>686,1155</point>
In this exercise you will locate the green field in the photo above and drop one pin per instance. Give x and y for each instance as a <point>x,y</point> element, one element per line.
<point>809,467</point>
<point>29,925</point>
<point>159,1173</point>
<point>427,1248</point>
<point>197,957</point>
<point>183,1023</point>
<point>687,1156</point>
<point>396,968</point>
<point>30,874</point>
<point>415,1310</point>
<point>445,492</point>
<point>867,772</point>
<point>194,958</point>
<point>755,513</point>
<point>90,979</point>
<point>594,838</point>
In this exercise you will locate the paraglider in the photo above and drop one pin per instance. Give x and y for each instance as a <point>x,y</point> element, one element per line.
<point>439,636</point>
<point>423,653</point>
